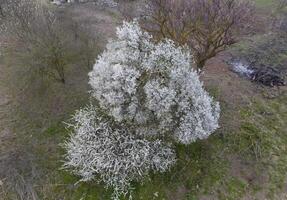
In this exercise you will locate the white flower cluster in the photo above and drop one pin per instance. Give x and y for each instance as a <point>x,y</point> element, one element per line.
<point>101,147</point>
<point>146,94</point>
<point>153,87</point>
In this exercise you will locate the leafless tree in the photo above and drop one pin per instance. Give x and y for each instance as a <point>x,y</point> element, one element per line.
<point>282,3</point>
<point>2,4</point>
<point>45,42</point>
<point>35,29</point>
<point>279,17</point>
<point>206,26</point>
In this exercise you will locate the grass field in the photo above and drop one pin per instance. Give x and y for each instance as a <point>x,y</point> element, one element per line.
<point>264,3</point>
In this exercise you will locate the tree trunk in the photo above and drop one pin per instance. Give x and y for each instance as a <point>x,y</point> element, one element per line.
<point>1,12</point>
<point>61,74</point>
<point>63,80</point>
<point>200,65</point>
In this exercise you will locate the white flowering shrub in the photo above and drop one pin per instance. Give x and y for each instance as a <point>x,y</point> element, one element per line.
<point>153,87</point>
<point>146,95</point>
<point>101,147</point>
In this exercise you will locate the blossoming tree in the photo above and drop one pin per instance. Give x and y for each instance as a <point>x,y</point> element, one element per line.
<point>148,97</point>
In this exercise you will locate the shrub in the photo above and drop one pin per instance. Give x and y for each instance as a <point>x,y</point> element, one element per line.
<point>153,87</point>
<point>147,97</point>
<point>98,146</point>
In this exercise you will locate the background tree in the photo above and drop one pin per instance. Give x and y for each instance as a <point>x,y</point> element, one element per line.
<point>280,17</point>
<point>206,26</point>
<point>45,43</point>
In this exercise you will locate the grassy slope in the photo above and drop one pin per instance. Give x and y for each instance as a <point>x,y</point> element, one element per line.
<point>246,157</point>
<point>204,169</point>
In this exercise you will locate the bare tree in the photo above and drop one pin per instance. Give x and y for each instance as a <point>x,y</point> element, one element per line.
<point>46,42</point>
<point>206,26</point>
<point>282,4</point>
<point>2,4</point>
<point>279,17</point>
<point>38,36</point>
<point>32,28</point>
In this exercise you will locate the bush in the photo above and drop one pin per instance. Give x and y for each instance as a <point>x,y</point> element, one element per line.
<point>100,147</point>
<point>147,96</point>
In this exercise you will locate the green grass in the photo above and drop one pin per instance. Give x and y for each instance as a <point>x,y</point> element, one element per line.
<point>197,170</point>
<point>202,167</point>
<point>262,137</point>
<point>264,3</point>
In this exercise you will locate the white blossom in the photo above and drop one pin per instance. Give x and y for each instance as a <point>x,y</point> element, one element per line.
<point>146,94</point>
<point>102,150</point>
<point>153,87</point>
